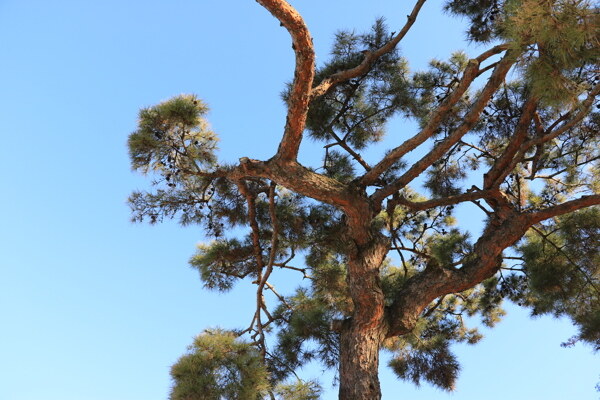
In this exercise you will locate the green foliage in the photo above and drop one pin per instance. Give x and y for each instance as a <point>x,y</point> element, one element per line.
<point>299,391</point>
<point>442,179</point>
<point>424,354</point>
<point>432,86</point>
<point>338,166</point>
<point>450,248</point>
<point>490,302</point>
<point>357,110</point>
<point>170,130</point>
<point>329,283</point>
<point>563,272</point>
<point>219,366</point>
<point>305,320</point>
<point>435,364</point>
<point>562,37</point>
<point>482,15</point>
<point>222,262</point>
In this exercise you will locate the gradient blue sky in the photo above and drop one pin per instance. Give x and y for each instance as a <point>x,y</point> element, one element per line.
<point>95,308</point>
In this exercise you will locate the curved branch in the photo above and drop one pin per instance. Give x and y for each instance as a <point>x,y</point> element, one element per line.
<point>435,281</point>
<point>486,259</point>
<point>292,175</point>
<point>303,75</point>
<point>342,76</point>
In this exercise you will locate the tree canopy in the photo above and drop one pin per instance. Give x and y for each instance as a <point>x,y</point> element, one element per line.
<point>382,262</point>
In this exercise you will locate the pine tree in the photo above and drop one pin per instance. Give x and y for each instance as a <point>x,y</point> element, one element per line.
<point>381,261</point>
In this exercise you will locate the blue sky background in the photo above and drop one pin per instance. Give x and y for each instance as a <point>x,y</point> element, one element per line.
<point>93,307</point>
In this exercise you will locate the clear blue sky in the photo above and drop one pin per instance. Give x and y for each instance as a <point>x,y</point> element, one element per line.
<point>95,308</point>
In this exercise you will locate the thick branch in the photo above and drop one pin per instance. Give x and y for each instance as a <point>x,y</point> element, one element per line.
<point>435,281</point>
<point>342,76</point>
<point>303,75</point>
<point>429,129</point>
<point>301,180</point>
<point>484,262</point>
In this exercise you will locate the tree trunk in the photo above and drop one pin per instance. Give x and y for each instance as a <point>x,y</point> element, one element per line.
<point>359,362</point>
<point>362,334</point>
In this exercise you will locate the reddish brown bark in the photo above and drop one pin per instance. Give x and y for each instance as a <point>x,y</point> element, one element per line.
<point>303,75</point>
<point>362,334</point>
<point>359,362</point>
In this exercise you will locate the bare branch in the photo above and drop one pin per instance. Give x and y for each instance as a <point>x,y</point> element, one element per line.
<point>340,142</point>
<point>280,297</point>
<point>411,250</point>
<point>251,204</point>
<point>274,238</point>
